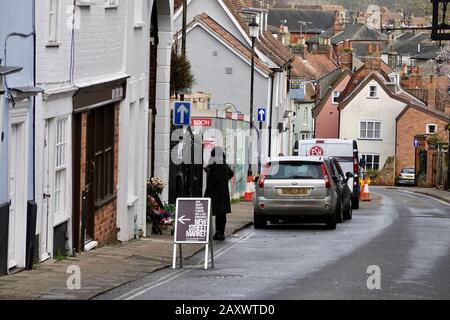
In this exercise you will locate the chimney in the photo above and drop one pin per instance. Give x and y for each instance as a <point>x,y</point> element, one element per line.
<point>337,25</point>
<point>346,56</point>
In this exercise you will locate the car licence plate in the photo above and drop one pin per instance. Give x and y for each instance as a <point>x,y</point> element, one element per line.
<point>294,191</point>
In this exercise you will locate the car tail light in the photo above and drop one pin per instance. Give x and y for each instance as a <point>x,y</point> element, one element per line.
<point>262,177</point>
<point>326,176</point>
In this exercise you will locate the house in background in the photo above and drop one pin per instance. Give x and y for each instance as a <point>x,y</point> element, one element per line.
<point>17,156</point>
<point>234,17</point>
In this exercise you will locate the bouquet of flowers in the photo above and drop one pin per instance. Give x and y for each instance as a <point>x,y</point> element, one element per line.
<point>155,186</point>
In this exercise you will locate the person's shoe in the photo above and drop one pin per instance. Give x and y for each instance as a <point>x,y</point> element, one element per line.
<point>221,237</point>
<point>216,236</point>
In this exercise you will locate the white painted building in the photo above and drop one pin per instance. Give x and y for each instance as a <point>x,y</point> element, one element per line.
<point>368,114</point>
<point>231,83</point>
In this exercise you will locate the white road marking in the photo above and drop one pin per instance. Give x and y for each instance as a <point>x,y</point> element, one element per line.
<point>172,276</point>
<point>423,195</point>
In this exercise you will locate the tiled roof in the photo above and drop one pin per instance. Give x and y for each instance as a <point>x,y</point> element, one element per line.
<point>358,32</point>
<point>317,19</point>
<point>230,39</point>
<point>314,67</point>
<point>271,47</point>
<point>359,76</point>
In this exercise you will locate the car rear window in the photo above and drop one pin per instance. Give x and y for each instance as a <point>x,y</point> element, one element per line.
<point>294,170</point>
<point>408,170</point>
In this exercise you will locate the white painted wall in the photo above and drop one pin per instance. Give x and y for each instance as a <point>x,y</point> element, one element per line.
<point>384,109</point>
<point>133,125</point>
<point>214,9</point>
<point>53,75</point>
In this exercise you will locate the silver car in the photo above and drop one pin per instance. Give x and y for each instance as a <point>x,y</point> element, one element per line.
<point>302,187</point>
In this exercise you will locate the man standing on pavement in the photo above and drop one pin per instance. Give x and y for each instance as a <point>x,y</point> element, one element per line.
<point>218,174</point>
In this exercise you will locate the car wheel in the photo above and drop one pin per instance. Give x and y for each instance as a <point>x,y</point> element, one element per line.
<point>259,222</point>
<point>340,212</point>
<point>355,203</point>
<point>349,212</point>
<point>331,222</point>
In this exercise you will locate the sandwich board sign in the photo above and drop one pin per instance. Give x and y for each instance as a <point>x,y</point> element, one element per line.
<point>192,225</point>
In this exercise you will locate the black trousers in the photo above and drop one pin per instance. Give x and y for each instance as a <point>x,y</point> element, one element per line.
<point>221,221</point>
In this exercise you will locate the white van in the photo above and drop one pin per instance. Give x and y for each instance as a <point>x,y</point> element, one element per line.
<point>345,151</point>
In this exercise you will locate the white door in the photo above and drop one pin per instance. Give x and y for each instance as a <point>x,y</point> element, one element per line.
<point>46,197</point>
<point>55,205</point>
<point>17,187</point>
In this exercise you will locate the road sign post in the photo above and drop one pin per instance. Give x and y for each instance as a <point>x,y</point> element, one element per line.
<point>192,225</point>
<point>182,113</point>
<point>262,114</point>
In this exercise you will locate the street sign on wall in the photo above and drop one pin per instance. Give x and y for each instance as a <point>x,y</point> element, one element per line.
<point>297,90</point>
<point>192,220</point>
<point>182,113</point>
<point>201,122</point>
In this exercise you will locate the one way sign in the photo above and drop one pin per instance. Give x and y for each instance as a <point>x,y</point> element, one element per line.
<point>261,114</point>
<point>182,113</point>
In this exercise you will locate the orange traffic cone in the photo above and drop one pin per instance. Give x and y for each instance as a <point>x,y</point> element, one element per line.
<point>365,193</point>
<point>249,189</point>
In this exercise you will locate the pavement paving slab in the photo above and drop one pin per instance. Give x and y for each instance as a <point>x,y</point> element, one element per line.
<point>108,267</point>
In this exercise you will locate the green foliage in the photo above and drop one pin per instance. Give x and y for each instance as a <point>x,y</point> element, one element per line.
<point>181,77</point>
<point>235,200</point>
<point>169,208</point>
<point>59,256</point>
<point>372,173</point>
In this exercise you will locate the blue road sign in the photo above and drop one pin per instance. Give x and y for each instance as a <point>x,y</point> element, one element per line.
<point>262,114</point>
<point>415,143</point>
<point>182,113</point>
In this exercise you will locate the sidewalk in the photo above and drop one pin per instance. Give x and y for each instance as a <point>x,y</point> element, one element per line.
<point>108,267</point>
<point>443,195</point>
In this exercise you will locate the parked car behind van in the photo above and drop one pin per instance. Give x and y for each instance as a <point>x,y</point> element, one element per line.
<point>302,187</point>
<point>406,177</point>
<point>345,151</point>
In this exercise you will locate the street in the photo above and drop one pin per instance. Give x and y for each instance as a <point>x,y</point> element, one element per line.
<point>404,234</point>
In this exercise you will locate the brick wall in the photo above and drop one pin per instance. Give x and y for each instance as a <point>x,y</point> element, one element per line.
<point>412,123</point>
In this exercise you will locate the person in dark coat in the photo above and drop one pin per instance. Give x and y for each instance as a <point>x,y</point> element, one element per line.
<point>218,174</point>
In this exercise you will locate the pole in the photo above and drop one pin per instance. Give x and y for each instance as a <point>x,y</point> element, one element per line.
<point>272,76</point>
<point>251,108</point>
<point>183,32</point>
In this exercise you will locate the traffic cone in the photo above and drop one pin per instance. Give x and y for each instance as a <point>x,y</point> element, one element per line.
<point>249,189</point>
<point>365,194</point>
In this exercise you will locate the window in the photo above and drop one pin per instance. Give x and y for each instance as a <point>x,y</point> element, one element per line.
<point>370,130</point>
<point>305,116</point>
<point>53,21</point>
<point>60,167</point>
<point>103,120</point>
<point>335,96</point>
<point>431,129</point>
<point>393,78</point>
<point>372,91</point>
<point>138,12</point>
<point>372,161</point>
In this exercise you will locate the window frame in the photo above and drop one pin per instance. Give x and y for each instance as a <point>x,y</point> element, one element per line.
<point>53,21</point>
<point>374,122</point>
<point>375,96</point>
<point>103,154</point>
<point>373,155</point>
<point>334,97</point>
<point>427,128</point>
<point>61,166</point>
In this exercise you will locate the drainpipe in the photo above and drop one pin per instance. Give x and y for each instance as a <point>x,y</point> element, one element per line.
<point>272,77</point>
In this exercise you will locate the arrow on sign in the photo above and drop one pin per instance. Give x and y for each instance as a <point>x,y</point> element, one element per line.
<point>182,220</point>
<point>182,110</point>
<point>261,113</point>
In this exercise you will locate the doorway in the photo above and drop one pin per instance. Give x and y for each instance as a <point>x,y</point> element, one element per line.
<point>17,193</point>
